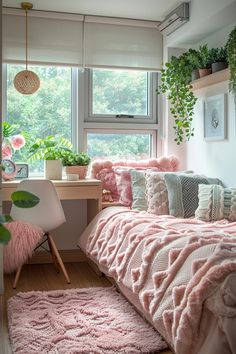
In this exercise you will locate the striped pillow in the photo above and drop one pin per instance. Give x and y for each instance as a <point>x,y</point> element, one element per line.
<point>216,203</point>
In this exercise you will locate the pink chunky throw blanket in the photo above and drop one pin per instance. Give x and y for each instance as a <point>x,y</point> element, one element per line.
<point>173,265</point>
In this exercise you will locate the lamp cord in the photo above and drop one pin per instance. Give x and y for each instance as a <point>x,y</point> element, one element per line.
<point>26,39</point>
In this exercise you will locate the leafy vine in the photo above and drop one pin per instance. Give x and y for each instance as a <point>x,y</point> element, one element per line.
<point>231,55</point>
<point>175,83</point>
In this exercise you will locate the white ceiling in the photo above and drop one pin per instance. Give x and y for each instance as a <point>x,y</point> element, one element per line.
<point>155,10</point>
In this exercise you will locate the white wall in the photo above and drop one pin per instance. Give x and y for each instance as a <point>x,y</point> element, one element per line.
<point>216,159</point>
<point>213,158</point>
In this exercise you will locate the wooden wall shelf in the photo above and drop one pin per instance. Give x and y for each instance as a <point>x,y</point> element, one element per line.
<point>211,79</point>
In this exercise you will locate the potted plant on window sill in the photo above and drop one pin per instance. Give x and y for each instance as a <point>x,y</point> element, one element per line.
<point>50,149</point>
<point>76,163</point>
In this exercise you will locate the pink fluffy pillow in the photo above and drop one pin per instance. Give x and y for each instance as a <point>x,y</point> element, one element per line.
<point>123,181</point>
<point>119,184</point>
<point>108,178</point>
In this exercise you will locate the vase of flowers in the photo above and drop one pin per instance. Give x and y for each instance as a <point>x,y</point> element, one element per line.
<point>12,142</point>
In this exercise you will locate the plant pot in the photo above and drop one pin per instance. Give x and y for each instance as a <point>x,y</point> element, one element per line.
<point>81,171</point>
<point>221,65</point>
<point>195,75</point>
<point>204,72</point>
<point>53,169</point>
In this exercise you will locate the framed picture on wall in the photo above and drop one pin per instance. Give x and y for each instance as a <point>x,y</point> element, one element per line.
<point>215,113</point>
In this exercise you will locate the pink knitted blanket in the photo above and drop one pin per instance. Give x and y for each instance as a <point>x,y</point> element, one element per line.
<point>173,265</point>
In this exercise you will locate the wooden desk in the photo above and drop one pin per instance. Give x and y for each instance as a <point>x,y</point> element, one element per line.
<point>90,189</point>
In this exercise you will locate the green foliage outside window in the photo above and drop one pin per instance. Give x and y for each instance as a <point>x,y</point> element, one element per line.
<point>120,92</point>
<point>47,112</point>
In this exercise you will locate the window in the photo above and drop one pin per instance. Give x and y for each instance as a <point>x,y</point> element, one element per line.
<point>123,95</point>
<point>47,112</point>
<point>120,145</point>
<point>82,105</point>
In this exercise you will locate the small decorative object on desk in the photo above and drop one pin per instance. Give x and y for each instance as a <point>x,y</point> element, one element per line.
<point>9,169</point>
<point>22,170</point>
<point>106,196</point>
<point>72,177</point>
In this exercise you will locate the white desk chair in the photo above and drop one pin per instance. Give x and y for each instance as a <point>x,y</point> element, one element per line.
<point>47,214</point>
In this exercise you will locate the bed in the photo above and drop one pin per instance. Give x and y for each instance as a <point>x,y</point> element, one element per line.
<point>179,273</point>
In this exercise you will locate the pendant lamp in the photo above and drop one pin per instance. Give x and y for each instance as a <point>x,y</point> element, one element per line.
<point>26,81</point>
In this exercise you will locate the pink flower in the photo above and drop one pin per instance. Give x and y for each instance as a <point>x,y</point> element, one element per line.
<point>6,151</point>
<point>17,141</point>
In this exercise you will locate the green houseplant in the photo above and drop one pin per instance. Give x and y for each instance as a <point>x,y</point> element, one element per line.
<point>204,61</point>
<point>175,84</point>
<point>50,149</point>
<point>218,58</point>
<point>193,58</point>
<point>231,56</point>
<point>76,163</point>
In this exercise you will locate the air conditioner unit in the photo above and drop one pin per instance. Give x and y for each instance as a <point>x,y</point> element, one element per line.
<point>175,19</point>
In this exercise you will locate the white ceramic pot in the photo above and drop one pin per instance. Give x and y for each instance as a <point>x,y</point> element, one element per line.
<point>53,169</point>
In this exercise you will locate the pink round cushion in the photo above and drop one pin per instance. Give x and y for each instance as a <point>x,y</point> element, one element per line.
<point>24,238</point>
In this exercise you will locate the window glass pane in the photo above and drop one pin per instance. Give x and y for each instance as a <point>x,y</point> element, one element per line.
<point>120,92</point>
<point>116,146</point>
<point>46,112</point>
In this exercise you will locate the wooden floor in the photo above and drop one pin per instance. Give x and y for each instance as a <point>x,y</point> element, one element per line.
<point>44,277</point>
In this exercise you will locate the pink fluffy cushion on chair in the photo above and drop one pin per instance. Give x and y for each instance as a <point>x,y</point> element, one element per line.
<point>24,238</point>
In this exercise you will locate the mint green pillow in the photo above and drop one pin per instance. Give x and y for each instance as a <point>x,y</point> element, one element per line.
<point>216,203</point>
<point>183,193</point>
<point>138,186</point>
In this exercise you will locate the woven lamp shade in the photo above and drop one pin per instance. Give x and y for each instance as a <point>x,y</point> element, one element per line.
<point>26,82</point>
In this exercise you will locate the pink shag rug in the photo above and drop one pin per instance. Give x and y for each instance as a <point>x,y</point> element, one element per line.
<point>92,320</point>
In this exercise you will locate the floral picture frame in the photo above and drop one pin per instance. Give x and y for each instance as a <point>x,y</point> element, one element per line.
<point>215,114</point>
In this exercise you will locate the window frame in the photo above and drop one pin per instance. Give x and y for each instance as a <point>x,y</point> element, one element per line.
<point>150,118</point>
<point>151,132</point>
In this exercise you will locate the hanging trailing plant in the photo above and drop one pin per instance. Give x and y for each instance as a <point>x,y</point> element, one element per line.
<point>175,83</point>
<point>231,55</point>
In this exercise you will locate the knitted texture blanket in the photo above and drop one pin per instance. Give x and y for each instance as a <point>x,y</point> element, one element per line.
<point>173,265</point>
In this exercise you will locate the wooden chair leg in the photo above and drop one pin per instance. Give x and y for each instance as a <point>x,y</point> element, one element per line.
<point>58,257</point>
<point>17,276</point>
<point>54,258</point>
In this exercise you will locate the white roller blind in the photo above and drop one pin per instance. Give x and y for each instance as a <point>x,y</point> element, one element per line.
<point>52,38</point>
<point>118,43</point>
<point>77,40</point>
